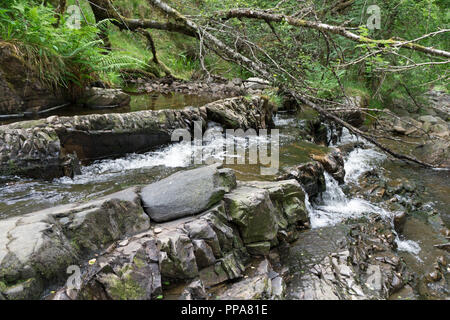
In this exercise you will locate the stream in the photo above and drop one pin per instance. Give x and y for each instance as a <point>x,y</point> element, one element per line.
<point>335,206</point>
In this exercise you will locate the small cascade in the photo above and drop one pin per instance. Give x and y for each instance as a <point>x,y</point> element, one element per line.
<point>334,206</point>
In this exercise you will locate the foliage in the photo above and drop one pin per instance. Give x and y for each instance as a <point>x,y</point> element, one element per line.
<point>326,63</point>
<point>321,59</point>
<point>63,56</point>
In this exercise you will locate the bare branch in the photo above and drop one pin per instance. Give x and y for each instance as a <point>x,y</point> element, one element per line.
<point>257,14</point>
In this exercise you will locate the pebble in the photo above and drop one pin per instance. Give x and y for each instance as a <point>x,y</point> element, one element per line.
<point>434,276</point>
<point>157,230</point>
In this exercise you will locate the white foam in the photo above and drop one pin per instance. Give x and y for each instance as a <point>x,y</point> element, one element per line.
<point>346,137</point>
<point>335,207</point>
<point>280,121</point>
<point>360,161</point>
<point>408,246</point>
<point>172,156</point>
<point>176,155</point>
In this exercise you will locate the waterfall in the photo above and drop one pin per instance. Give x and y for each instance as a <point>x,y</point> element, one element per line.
<point>334,206</point>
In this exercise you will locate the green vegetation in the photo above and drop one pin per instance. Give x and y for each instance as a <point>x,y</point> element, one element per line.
<point>325,63</point>
<point>62,56</point>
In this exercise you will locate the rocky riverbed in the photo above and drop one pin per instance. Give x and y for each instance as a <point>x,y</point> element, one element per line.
<point>337,222</point>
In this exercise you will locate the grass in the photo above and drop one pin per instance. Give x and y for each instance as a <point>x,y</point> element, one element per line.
<point>356,88</point>
<point>176,51</point>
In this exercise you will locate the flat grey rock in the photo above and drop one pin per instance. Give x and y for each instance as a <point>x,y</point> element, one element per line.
<point>37,248</point>
<point>186,193</point>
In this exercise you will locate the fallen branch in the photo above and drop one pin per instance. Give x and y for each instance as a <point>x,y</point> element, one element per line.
<point>358,132</point>
<point>257,14</point>
<point>103,9</point>
<point>213,41</point>
<point>262,71</point>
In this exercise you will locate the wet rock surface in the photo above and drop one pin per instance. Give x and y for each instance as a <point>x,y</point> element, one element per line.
<point>261,283</point>
<point>131,259</point>
<point>355,261</point>
<point>232,250</point>
<point>333,163</point>
<point>130,272</point>
<point>421,226</point>
<point>310,176</point>
<point>100,97</point>
<point>254,213</point>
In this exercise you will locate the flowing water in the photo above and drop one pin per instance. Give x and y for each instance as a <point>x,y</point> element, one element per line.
<point>19,195</point>
<point>335,206</point>
<point>420,233</point>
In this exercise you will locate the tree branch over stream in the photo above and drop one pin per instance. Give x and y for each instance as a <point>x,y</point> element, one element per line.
<point>265,16</point>
<point>258,68</point>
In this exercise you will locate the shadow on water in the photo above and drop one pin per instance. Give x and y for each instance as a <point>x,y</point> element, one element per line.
<point>139,102</point>
<point>174,100</point>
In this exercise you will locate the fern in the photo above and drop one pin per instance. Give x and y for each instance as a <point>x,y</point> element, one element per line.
<point>61,56</point>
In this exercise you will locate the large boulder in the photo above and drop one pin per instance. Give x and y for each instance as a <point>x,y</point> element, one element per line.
<point>253,212</point>
<point>333,163</point>
<point>99,97</point>
<point>288,199</point>
<point>37,248</point>
<point>177,258</point>
<point>28,149</point>
<point>132,260</point>
<point>187,192</point>
<point>208,247</point>
<point>310,175</point>
<point>253,112</point>
<point>134,268</point>
<point>194,291</point>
